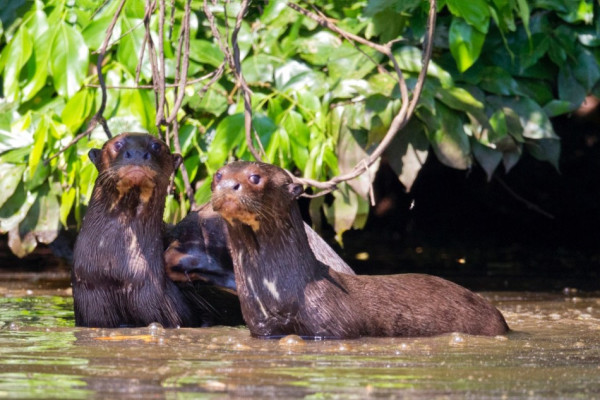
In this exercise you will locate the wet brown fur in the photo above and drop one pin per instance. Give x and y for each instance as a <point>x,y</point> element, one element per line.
<point>118,275</point>
<point>284,289</point>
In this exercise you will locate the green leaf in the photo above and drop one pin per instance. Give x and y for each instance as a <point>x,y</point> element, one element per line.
<point>499,125</point>
<point>533,119</point>
<point>408,152</point>
<point>581,12</point>
<point>260,68</point>
<point>78,109</point>
<point>10,177</point>
<point>450,143</point>
<point>299,135</point>
<point>203,192</point>
<point>557,107</point>
<point>466,43</point>
<point>213,101</point>
<point>67,200</point>
<point>39,141</point>
<point>375,6</point>
<point>342,213</point>
<point>346,62</point>
<point>409,59</point>
<point>69,60</point>
<point>488,158</point>
<point>230,133</point>
<point>569,89</point>
<point>206,52</point>
<point>510,158</point>
<point>523,9</point>
<point>40,225</point>
<point>498,81</point>
<point>130,47</point>
<point>37,23</point>
<point>95,32</point>
<point>586,69</point>
<point>138,104</point>
<point>475,12</point>
<point>349,154</point>
<point>15,208</point>
<point>388,25</point>
<point>14,57</point>
<point>545,150</point>
<point>187,138</point>
<point>298,76</point>
<point>460,99</point>
<point>41,60</point>
<point>316,49</point>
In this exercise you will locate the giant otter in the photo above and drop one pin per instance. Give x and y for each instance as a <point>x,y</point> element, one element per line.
<point>118,275</point>
<point>284,289</point>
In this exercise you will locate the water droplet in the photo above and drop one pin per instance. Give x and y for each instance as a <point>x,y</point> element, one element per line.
<point>291,341</point>
<point>14,326</point>
<point>456,339</point>
<point>155,329</point>
<point>343,347</point>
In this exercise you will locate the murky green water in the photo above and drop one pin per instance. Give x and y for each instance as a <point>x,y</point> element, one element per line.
<point>555,353</point>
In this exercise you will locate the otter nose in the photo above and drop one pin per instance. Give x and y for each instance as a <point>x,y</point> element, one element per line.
<point>229,184</point>
<point>133,154</point>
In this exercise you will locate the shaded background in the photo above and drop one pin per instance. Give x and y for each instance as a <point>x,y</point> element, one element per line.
<point>477,233</point>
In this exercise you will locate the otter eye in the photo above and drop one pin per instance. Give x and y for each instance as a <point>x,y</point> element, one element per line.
<point>118,145</point>
<point>155,146</point>
<point>254,179</point>
<point>218,176</point>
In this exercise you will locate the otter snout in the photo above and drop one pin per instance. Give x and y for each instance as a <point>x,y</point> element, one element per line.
<point>228,184</point>
<point>136,155</point>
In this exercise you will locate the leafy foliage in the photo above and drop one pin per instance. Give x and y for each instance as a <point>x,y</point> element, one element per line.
<point>501,69</point>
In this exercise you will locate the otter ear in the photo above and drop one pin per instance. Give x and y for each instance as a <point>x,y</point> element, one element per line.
<point>295,190</point>
<point>94,155</point>
<point>177,160</point>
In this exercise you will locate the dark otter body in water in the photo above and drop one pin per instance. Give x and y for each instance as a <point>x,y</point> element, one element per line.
<point>118,275</point>
<point>284,289</point>
<point>198,250</point>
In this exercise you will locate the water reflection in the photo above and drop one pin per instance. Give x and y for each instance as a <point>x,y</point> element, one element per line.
<point>554,352</point>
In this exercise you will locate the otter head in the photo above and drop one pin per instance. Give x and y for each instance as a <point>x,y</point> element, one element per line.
<point>134,161</point>
<point>251,193</point>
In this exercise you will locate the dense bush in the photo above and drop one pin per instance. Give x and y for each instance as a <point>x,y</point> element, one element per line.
<point>501,69</point>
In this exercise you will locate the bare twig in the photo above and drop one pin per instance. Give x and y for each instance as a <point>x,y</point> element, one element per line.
<point>150,6</point>
<point>181,75</point>
<point>523,200</point>
<point>405,112</point>
<point>186,179</point>
<point>237,70</point>
<point>168,85</point>
<point>98,118</point>
<point>160,72</point>
<point>234,63</point>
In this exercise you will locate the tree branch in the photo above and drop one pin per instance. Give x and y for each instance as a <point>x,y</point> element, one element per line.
<point>98,118</point>
<point>405,112</point>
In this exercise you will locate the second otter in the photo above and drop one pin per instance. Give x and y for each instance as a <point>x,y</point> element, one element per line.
<point>284,289</point>
<point>118,274</point>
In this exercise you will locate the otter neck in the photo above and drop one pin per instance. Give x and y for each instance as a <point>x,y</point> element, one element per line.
<point>136,231</point>
<point>275,255</point>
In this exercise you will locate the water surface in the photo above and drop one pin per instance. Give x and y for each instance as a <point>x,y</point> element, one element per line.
<point>553,353</point>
